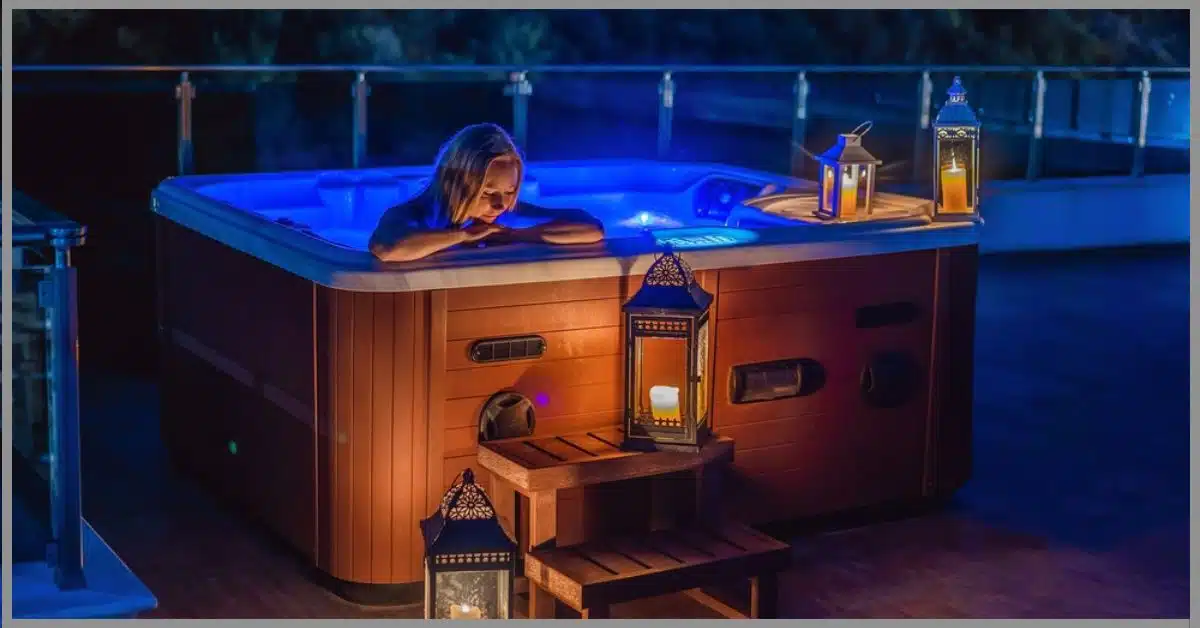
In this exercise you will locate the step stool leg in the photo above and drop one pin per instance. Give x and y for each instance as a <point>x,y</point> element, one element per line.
<point>543,524</point>
<point>764,596</point>
<point>596,612</point>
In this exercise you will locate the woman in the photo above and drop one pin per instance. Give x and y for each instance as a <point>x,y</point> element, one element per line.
<point>476,180</point>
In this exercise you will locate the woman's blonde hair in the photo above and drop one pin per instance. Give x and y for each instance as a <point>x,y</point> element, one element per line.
<point>459,170</point>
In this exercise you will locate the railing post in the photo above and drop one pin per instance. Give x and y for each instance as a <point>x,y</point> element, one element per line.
<point>666,109</point>
<point>1033,167</point>
<point>63,388</point>
<point>520,89</point>
<point>1139,149</point>
<point>924,117</point>
<point>185,93</point>
<point>800,123</point>
<point>359,93</point>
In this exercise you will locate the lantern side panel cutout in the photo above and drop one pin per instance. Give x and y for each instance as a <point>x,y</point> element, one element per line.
<point>661,380</point>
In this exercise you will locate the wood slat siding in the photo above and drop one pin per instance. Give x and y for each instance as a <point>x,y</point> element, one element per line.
<point>578,383</point>
<point>829,450</point>
<point>237,367</point>
<point>375,458</point>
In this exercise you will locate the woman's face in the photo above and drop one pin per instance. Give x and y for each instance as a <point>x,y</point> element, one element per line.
<point>499,191</point>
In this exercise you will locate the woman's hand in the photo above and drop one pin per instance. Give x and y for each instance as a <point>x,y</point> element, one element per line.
<point>416,245</point>
<point>565,232</point>
<point>479,230</point>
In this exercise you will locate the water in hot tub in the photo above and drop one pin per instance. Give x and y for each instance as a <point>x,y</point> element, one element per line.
<point>347,206</point>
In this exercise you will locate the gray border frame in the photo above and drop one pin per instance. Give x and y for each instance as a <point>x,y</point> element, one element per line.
<point>6,380</point>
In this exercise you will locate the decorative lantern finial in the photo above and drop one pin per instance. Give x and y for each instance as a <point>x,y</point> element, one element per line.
<point>957,93</point>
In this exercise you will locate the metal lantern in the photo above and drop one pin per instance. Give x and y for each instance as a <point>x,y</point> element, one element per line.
<point>956,158</point>
<point>470,560</point>
<point>666,360</point>
<point>847,178</point>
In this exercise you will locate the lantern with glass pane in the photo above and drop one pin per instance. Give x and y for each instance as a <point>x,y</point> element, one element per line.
<point>847,184</point>
<point>956,158</point>
<point>666,360</point>
<point>470,560</point>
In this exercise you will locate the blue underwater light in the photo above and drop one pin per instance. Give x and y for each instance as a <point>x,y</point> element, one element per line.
<point>703,237</point>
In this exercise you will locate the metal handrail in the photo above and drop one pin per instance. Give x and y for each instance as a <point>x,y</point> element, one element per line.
<point>35,225</point>
<point>610,69</point>
<point>520,89</point>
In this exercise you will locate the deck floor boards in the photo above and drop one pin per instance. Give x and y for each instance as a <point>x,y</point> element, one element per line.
<point>1078,506</point>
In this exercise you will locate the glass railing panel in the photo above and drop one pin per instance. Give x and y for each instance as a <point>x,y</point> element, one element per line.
<point>31,411</point>
<point>1169,126</point>
<point>737,118</point>
<point>592,115</point>
<point>410,116</point>
<point>45,452</point>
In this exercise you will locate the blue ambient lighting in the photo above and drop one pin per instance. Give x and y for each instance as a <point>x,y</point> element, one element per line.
<point>703,237</point>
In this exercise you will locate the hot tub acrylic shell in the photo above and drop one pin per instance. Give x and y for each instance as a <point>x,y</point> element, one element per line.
<point>338,417</point>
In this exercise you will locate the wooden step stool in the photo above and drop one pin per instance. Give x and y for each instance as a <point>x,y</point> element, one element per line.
<point>591,576</point>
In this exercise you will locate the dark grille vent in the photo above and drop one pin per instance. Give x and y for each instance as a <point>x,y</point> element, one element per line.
<point>504,349</point>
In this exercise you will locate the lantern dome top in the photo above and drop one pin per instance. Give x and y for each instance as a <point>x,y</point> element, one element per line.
<point>670,285</point>
<point>465,522</point>
<point>849,150</point>
<point>956,111</point>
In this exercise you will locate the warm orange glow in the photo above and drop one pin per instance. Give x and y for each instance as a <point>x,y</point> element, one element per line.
<point>827,189</point>
<point>464,611</point>
<point>849,195</point>
<point>661,382</point>
<point>954,189</point>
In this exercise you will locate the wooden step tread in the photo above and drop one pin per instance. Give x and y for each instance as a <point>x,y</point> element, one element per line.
<point>538,463</point>
<point>610,571</point>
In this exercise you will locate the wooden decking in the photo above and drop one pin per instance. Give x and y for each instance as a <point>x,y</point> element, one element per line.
<point>1078,507</point>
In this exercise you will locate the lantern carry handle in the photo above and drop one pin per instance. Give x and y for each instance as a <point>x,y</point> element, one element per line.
<point>859,130</point>
<point>862,129</point>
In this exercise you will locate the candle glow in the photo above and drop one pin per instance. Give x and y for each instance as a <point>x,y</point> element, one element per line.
<point>664,403</point>
<point>954,189</point>
<point>849,195</point>
<point>465,611</point>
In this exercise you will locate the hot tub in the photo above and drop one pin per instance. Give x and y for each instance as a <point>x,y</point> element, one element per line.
<point>334,397</point>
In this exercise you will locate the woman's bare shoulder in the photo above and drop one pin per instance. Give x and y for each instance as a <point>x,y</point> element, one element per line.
<point>398,221</point>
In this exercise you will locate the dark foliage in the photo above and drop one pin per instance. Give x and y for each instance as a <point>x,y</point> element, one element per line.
<point>944,36</point>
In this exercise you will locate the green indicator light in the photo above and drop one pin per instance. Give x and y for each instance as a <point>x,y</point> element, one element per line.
<point>233,447</point>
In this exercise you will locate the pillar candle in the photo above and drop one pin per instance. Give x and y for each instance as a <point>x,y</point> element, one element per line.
<point>954,189</point>
<point>849,196</point>
<point>664,403</point>
<point>465,611</point>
